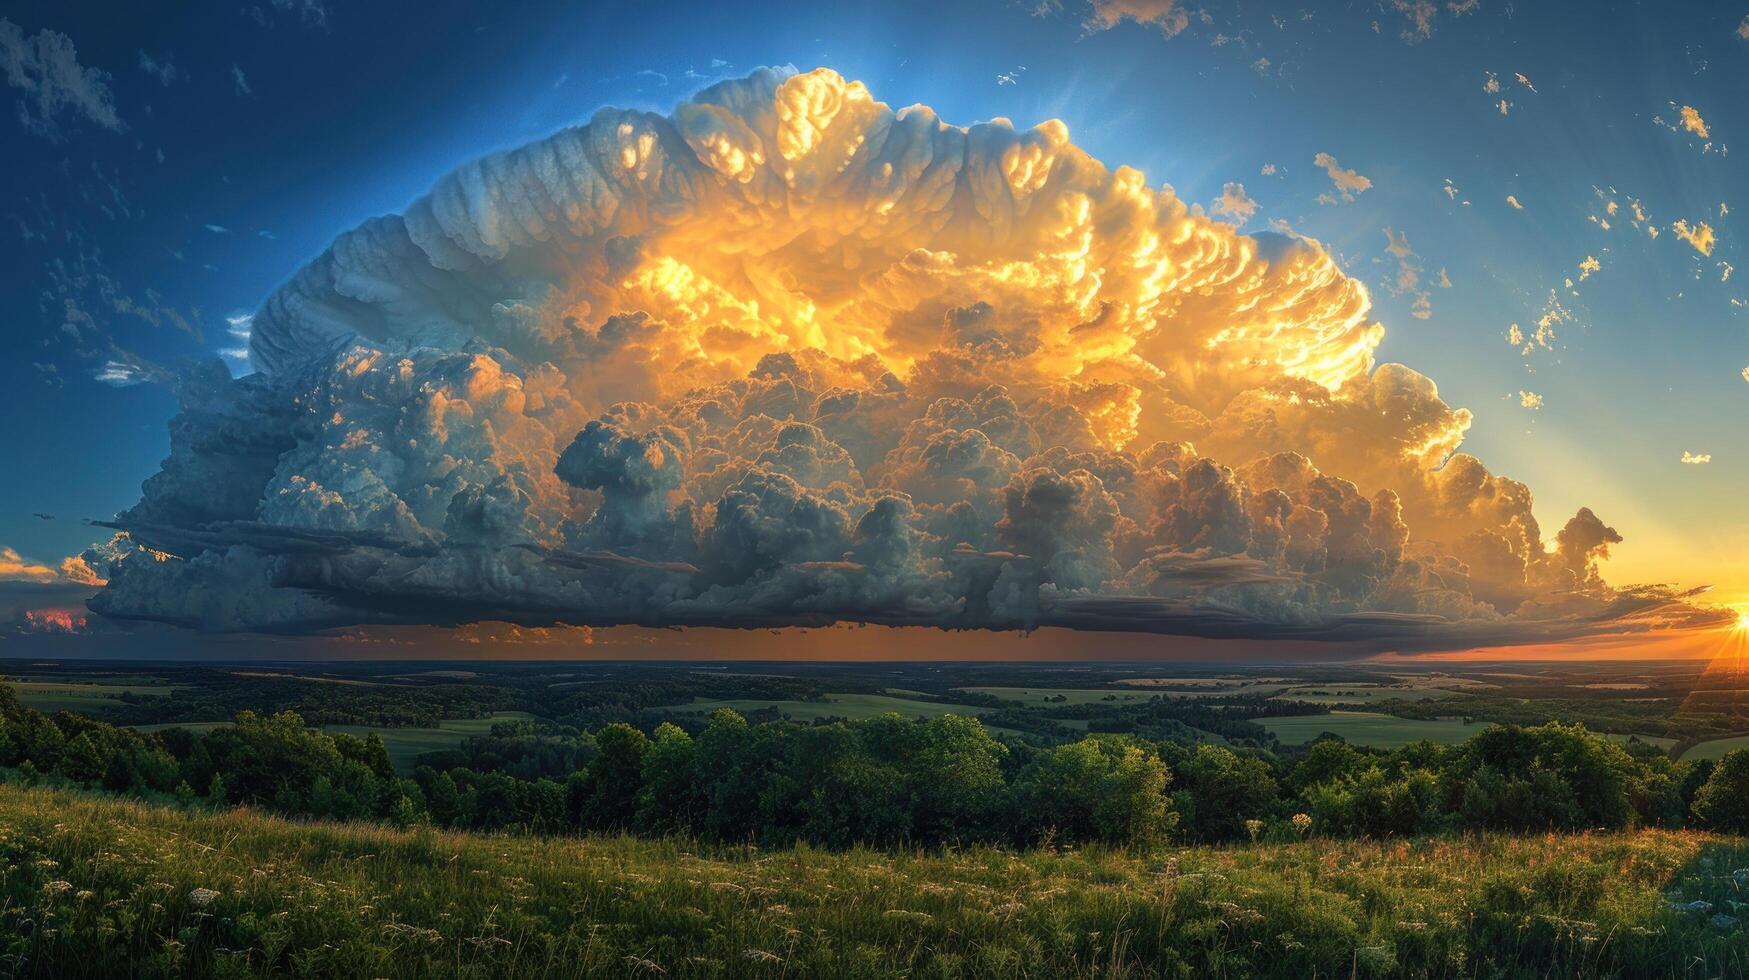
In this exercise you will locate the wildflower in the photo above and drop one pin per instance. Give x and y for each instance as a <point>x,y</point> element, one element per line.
<point>202,897</point>
<point>1254,827</point>
<point>58,887</point>
<point>762,956</point>
<point>1302,822</point>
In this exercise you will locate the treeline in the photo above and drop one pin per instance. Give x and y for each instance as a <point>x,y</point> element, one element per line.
<point>411,701</point>
<point>893,781</point>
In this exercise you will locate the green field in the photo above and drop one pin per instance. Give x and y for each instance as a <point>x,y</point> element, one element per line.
<point>1716,748</point>
<point>51,696</point>
<point>1369,728</point>
<point>1047,695</point>
<point>1361,693</point>
<point>853,706</point>
<point>1380,731</point>
<point>404,744</point>
<point>95,888</point>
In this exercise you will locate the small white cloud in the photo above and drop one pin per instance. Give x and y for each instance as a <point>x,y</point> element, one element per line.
<point>1512,199</point>
<point>218,229</point>
<point>1587,267</point>
<point>117,374</point>
<point>1530,400</point>
<point>1234,203</point>
<point>241,80</point>
<point>1348,183</point>
<point>1696,459</point>
<point>1268,170</point>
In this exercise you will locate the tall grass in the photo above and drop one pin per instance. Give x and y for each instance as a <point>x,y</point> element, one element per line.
<point>95,887</point>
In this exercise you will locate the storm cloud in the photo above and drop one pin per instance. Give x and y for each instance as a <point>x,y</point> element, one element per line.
<point>788,356</point>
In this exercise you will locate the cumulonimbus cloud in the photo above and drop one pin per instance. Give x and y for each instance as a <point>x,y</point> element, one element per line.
<point>788,356</point>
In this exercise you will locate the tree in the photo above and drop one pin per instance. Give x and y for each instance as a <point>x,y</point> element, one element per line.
<point>1550,777</point>
<point>1105,788</point>
<point>613,781</point>
<point>1226,789</point>
<point>669,801</point>
<point>1722,804</point>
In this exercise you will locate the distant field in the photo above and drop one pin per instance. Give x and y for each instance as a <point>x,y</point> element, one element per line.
<point>52,696</point>
<point>1369,728</point>
<point>852,706</point>
<point>1348,693</point>
<point>1716,748</point>
<point>1049,695</point>
<point>404,744</point>
<point>1362,693</point>
<point>1381,731</point>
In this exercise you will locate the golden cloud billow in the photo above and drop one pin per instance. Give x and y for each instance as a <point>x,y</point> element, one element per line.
<point>788,356</point>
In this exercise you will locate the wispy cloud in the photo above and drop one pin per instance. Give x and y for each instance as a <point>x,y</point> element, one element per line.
<point>45,67</point>
<point>161,68</point>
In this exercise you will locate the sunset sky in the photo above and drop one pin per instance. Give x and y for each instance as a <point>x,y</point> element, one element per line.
<point>1201,433</point>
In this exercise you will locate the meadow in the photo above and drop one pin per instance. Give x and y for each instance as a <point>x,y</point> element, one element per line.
<point>853,706</point>
<point>52,695</point>
<point>404,744</point>
<point>1716,748</point>
<point>96,887</point>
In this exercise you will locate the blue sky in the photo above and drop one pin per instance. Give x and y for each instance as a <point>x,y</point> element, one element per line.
<point>188,195</point>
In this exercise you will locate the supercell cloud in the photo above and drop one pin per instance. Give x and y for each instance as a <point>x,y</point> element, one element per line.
<point>789,356</point>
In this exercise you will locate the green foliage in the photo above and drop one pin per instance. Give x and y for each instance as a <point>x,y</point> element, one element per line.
<point>1106,788</point>
<point>1723,801</point>
<point>1224,790</point>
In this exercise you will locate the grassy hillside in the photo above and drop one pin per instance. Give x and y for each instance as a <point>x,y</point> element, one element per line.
<point>95,887</point>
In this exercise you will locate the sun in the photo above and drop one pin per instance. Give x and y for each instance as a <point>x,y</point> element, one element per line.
<point>1742,625</point>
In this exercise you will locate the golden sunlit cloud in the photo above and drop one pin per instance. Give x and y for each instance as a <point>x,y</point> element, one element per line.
<point>789,356</point>
<point>17,568</point>
<point>1692,122</point>
<point>1700,235</point>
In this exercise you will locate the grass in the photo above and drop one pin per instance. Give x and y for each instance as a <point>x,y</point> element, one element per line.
<point>404,744</point>
<point>853,706</point>
<point>1715,748</point>
<point>94,887</point>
